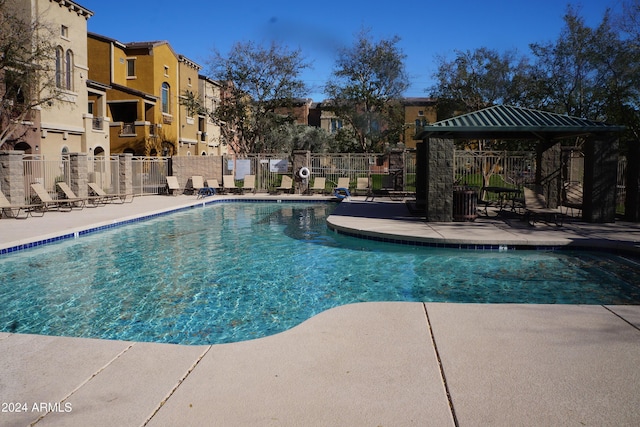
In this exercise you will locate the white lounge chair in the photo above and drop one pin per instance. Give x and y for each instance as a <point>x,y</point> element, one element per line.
<point>319,184</point>
<point>96,190</point>
<point>229,184</point>
<point>286,184</point>
<point>249,183</point>
<point>173,187</point>
<point>78,202</point>
<point>47,201</point>
<point>20,211</point>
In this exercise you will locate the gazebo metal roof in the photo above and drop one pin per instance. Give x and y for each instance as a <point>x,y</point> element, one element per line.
<point>507,122</point>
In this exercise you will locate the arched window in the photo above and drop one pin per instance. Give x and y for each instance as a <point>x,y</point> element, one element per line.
<point>165,97</point>
<point>69,70</point>
<point>59,66</point>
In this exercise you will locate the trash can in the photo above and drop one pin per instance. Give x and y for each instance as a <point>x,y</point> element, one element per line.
<point>465,204</point>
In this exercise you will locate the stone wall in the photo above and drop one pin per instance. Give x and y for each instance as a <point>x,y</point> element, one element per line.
<point>12,176</point>
<point>184,167</point>
<point>439,179</point>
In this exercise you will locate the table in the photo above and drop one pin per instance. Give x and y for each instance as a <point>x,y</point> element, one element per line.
<point>504,196</point>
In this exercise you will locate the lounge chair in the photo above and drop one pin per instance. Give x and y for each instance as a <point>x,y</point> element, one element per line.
<point>49,203</point>
<point>319,184</point>
<point>96,190</point>
<point>213,183</point>
<point>249,183</point>
<point>78,202</point>
<point>535,206</point>
<point>286,184</point>
<point>229,184</point>
<point>343,183</point>
<point>362,186</point>
<point>173,187</point>
<point>21,211</point>
<point>572,195</point>
<point>197,183</point>
<point>198,187</point>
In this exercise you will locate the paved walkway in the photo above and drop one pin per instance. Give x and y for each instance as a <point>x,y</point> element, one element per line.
<point>395,364</point>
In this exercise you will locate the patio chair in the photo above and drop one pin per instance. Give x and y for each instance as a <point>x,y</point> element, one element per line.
<point>249,183</point>
<point>343,182</point>
<point>572,194</point>
<point>535,206</point>
<point>21,211</point>
<point>319,184</point>
<point>48,202</point>
<point>173,187</point>
<point>78,202</point>
<point>229,184</point>
<point>96,190</point>
<point>286,185</point>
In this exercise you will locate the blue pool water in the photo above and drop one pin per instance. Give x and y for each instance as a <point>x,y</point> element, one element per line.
<point>236,271</point>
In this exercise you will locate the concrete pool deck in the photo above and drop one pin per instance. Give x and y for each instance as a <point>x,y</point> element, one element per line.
<point>362,364</point>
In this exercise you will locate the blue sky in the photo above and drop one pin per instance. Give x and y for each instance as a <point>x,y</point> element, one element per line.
<point>195,27</point>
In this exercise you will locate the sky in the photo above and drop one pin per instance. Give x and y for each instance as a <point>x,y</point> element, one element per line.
<point>194,28</point>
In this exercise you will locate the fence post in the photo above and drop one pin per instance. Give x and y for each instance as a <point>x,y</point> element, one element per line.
<point>12,176</point>
<point>125,171</point>
<point>79,173</point>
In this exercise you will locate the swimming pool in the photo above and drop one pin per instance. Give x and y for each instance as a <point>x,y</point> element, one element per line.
<point>235,271</point>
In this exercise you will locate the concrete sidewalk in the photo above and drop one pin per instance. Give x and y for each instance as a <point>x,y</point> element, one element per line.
<point>374,364</point>
<point>396,364</point>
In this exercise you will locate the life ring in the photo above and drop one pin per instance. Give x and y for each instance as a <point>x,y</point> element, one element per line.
<point>304,173</point>
<point>341,193</point>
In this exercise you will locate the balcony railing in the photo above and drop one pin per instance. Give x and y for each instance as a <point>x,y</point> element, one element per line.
<point>128,129</point>
<point>97,123</point>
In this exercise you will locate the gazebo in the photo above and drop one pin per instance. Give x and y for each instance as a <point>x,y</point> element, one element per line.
<point>434,169</point>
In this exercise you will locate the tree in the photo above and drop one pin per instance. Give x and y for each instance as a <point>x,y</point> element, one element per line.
<point>477,79</point>
<point>256,82</point>
<point>292,136</point>
<point>27,69</point>
<point>368,80</point>
<point>591,72</point>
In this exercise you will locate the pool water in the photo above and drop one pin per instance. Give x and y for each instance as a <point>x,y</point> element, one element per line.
<point>229,272</point>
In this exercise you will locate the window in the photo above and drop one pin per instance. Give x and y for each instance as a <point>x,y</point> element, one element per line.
<point>64,69</point>
<point>131,67</point>
<point>336,124</point>
<point>189,81</point>
<point>59,66</point>
<point>90,107</point>
<point>64,31</point>
<point>69,70</point>
<point>164,93</point>
<point>166,71</point>
<point>420,113</point>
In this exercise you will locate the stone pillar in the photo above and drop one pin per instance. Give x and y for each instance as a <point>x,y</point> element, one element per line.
<point>396,168</point>
<point>548,171</point>
<point>600,179</point>
<point>421,174</point>
<point>439,180</point>
<point>300,159</point>
<point>632,200</point>
<point>79,174</point>
<point>12,176</point>
<point>125,172</point>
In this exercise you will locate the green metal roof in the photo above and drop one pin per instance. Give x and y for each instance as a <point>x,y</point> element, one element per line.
<point>507,122</point>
